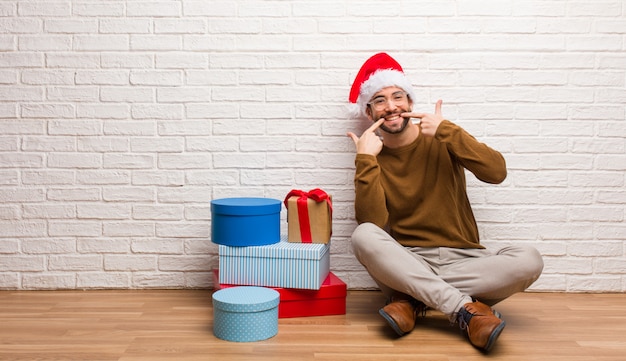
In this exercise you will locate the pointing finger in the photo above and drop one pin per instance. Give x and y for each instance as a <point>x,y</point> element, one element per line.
<point>375,126</point>
<point>355,139</point>
<point>438,107</point>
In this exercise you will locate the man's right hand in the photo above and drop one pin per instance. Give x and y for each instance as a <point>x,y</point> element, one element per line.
<point>369,142</point>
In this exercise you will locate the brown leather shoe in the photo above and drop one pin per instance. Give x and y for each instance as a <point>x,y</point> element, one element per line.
<point>401,314</point>
<point>482,325</point>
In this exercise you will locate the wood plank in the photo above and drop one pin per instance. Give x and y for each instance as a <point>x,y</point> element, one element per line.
<point>131,325</point>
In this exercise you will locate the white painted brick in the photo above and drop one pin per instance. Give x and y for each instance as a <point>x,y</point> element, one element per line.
<point>161,246</point>
<point>128,229</point>
<point>126,60</point>
<point>157,111</point>
<point>180,26</point>
<point>9,246</point>
<point>47,77</point>
<point>52,246</point>
<point>156,78</point>
<point>130,128</point>
<point>125,26</point>
<point>74,263</point>
<point>8,111</point>
<point>43,43</point>
<point>129,263</point>
<point>106,280</point>
<point>90,9</point>
<point>184,161</point>
<point>102,77</point>
<point>212,177</point>
<point>49,211</point>
<point>101,42</point>
<point>184,95</point>
<point>74,160</point>
<point>36,8</point>
<point>126,94</point>
<point>72,60</point>
<point>157,212</point>
<point>72,26</point>
<point>184,263</point>
<point>8,177</point>
<point>77,94</point>
<point>75,229</point>
<point>160,178</point>
<point>128,161</point>
<point>48,281</point>
<point>185,195</point>
<point>48,111</point>
<point>156,42</point>
<point>128,194</point>
<point>593,283</point>
<point>100,211</point>
<point>103,245</point>
<point>196,213</point>
<point>158,280</point>
<point>104,177</point>
<point>32,263</point>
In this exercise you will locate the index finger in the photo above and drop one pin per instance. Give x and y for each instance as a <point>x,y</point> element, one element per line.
<point>438,107</point>
<point>375,126</point>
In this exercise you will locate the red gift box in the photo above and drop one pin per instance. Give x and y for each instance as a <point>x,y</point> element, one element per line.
<point>330,299</point>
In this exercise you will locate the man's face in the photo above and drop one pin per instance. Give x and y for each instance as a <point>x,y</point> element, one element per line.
<point>389,103</point>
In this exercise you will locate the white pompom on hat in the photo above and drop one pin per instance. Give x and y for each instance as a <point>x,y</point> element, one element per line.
<point>378,72</point>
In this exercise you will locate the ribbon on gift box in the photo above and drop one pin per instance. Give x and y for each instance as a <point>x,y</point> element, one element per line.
<point>317,195</point>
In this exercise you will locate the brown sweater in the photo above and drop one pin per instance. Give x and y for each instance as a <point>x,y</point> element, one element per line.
<point>418,192</point>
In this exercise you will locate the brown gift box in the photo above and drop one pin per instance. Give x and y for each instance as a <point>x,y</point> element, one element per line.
<point>309,216</point>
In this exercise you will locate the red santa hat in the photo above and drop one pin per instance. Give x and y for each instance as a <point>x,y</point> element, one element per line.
<point>378,72</point>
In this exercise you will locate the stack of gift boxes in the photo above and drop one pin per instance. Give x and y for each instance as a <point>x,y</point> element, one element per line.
<point>253,252</point>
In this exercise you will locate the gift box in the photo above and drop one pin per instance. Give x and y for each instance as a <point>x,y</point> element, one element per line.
<point>283,264</point>
<point>330,299</point>
<point>309,216</point>
<point>245,314</point>
<point>245,221</point>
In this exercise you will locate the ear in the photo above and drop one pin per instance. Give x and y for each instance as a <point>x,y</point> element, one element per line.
<point>368,112</point>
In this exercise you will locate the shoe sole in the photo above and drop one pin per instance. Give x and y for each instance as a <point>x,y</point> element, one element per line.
<point>494,336</point>
<point>391,322</point>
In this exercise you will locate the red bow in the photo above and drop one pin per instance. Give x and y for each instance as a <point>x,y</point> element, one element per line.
<point>317,195</point>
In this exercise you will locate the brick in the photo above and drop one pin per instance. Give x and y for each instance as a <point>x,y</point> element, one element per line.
<point>129,263</point>
<point>13,263</point>
<point>105,280</point>
<point>49,281</point>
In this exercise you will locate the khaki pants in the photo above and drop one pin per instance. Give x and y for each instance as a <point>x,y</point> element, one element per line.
<point>445,278</point>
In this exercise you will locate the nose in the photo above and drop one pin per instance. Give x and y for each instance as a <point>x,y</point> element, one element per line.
<point>390,104</point>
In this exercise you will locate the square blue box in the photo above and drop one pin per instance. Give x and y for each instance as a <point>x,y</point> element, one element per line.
<point>244,222</point>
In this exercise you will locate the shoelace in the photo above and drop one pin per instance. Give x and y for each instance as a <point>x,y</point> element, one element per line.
<point>463,318</point>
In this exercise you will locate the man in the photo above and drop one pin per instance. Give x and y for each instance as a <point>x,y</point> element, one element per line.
<point>417,236</point>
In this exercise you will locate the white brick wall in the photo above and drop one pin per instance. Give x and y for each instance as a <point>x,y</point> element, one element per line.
<point>121,120</point>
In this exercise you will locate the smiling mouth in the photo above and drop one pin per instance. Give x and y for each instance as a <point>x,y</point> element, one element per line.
<point>392,117</point>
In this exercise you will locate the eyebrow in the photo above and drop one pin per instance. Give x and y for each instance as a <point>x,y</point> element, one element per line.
<point>392,94</point>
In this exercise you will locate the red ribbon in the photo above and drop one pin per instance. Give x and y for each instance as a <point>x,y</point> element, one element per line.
<point>317,195</point>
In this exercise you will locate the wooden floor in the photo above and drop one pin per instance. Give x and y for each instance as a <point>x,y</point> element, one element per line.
<point>177,325</point>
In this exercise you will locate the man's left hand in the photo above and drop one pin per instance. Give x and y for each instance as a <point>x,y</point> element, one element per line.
<point>429,122</point>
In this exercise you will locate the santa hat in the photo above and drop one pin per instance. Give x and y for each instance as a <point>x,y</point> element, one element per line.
<point>378,72</point>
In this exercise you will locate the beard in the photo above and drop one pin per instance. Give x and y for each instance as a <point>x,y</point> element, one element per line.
<point>405,122</point>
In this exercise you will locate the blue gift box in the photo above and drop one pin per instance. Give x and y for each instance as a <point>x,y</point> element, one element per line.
<point>245,221</point>
<point>245,314</point>
<point>283,264</point>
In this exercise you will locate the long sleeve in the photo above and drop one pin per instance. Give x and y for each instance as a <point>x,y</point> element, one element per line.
<point>485,163</point>
<point>369,203</point>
